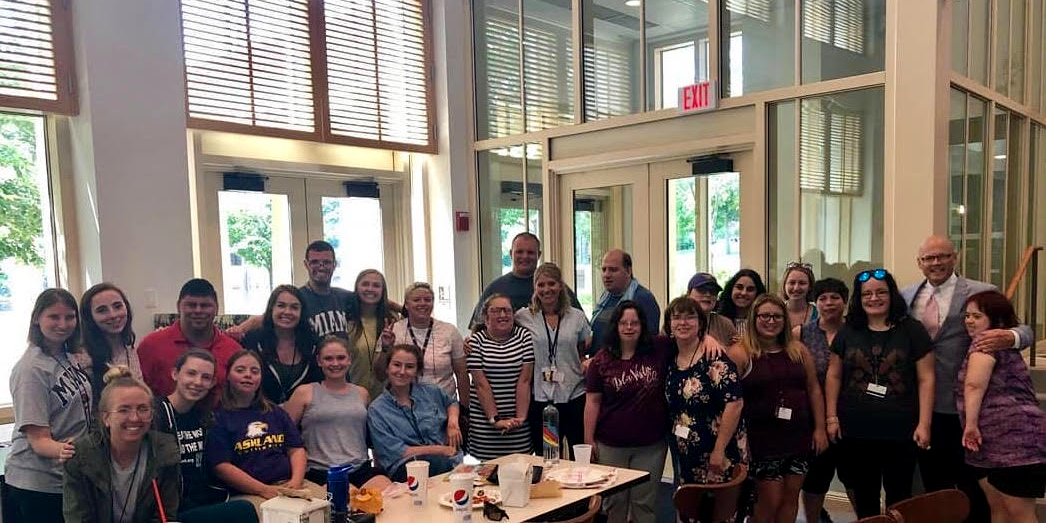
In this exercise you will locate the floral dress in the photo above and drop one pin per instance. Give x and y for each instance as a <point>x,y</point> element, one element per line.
<point>697,397</point>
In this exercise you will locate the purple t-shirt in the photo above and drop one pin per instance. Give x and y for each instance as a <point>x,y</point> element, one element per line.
<point>256,442</point>
<point>633,412</point>
<point>1013,426</point>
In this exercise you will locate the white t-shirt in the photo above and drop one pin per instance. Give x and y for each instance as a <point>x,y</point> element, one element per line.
<point>444,345</point>
<point>573,329</point>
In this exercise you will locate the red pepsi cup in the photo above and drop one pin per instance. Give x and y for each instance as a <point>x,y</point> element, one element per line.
<point>338,487</point>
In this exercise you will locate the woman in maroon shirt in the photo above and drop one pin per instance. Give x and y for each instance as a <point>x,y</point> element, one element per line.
<point>626,414</point>
<point>784,410</point>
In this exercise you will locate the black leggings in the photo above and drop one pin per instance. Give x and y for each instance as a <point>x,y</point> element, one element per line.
<point>571,424</point>
<point>868,464</point>
<point>38,507</point>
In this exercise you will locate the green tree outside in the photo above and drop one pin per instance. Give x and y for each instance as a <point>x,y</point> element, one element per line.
<point>250,237</point>
<point>21,219</point>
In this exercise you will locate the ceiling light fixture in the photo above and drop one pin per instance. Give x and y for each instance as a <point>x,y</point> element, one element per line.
<point>633,3</point>
<point>999,157</point>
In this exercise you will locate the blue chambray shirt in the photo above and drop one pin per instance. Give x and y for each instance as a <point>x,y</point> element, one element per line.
<point>393,427</point>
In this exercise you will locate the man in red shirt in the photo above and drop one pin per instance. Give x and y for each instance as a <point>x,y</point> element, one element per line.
<point>194,329</point>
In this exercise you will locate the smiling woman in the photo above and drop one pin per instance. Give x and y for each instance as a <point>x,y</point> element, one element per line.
<point>107,334</point>
<point>286,344</point>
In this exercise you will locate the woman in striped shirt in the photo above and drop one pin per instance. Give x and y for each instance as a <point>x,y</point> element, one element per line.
<point>502,367</point>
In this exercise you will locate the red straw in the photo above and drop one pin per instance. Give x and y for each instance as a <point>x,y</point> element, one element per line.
<point>159,502</point>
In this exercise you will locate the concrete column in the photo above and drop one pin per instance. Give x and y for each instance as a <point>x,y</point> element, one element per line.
<point>915,185</point>
<point>127,153</point>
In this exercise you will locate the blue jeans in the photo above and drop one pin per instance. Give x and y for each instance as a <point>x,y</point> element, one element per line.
<point>437,465</point>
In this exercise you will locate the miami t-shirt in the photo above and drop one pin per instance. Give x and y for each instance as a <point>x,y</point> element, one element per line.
<point>254,441</point>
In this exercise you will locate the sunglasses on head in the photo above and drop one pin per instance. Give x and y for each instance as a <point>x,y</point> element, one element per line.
<point>879,274</point>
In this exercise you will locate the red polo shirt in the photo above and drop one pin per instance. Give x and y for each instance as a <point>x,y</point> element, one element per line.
<point>160,349</point>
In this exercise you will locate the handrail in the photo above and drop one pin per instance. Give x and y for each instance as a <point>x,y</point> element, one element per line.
<point>1029,253</point>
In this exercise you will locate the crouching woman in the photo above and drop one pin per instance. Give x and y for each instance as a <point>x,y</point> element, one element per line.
<point>122,472</point>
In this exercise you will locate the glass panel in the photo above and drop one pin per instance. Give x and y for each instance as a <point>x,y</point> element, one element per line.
<point>960,32</point>
<point>975,165</point>
<point>499,104</point>
<point>501,215</point>
<point>1037,195</point>
<point>256,248</point>
<point>27,262</point>
<point>842,38</point>
<point>1014,244</point>
<point>548,64</point>
<point>1036,57</point>
<point>611,59</point>
<point>677,49</point>
<point>602,221</point>
<point>783,174</point>
<point>1002,46</point>
<point>841,182</point>
<point>704,217</point>
<point>997,227</point>
<point>350,223</point>
<point>767,29</point>
<point>979,44</point>
<point>534,188</point>
<point>1017,50</point>
<point>956,165</point>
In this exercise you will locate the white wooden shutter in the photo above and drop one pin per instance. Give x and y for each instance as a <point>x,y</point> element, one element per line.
<point>35,56</point>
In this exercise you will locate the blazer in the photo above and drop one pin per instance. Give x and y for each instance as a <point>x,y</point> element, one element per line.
<point>952,342</point>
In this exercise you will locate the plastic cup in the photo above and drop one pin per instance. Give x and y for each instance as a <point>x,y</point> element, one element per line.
<point>461,497</point>
<point>418,482</point>
<point>582,454</point>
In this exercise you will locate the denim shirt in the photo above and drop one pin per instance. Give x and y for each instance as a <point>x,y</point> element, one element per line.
<point>394,427</point>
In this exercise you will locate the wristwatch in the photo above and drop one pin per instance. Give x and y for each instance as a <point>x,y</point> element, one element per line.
<point>493,419</point>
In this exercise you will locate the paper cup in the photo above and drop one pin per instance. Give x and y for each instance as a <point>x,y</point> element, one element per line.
<point>418,482</point>
<point>461,497</point>
<point>582,454</point>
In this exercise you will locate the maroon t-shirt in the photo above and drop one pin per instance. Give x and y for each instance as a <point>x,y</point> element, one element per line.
<point>634,412</point>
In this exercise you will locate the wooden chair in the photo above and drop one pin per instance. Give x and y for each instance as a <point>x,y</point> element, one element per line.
<point>882,518</point>
<point>687,498</point>
<point>594,504</point>
<point>943,506</point>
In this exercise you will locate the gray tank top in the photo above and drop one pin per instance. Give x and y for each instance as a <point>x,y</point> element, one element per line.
<point>334,428</point>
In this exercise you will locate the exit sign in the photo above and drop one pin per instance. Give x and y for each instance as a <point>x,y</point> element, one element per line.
<point>698,97</point>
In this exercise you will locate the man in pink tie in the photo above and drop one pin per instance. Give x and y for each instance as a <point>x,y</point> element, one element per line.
<point>937,302</point>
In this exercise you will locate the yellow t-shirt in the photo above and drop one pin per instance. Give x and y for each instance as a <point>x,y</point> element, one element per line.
<point>365,351</point>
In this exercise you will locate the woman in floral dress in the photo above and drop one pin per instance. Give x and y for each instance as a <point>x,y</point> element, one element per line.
<point>704,405</point>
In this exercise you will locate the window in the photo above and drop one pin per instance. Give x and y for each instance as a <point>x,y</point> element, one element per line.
<point>840,183</point>
<point>27,240</point>
<point>510,198</point>
<point>499,99</point>
<point>611,43</point>
<point>842,38</point>
<point>968,128</point>
<point>767,26</point>
<point>36,56</point>
<point>252,65</point>
<point>548,64</point>
<point>677,47</point>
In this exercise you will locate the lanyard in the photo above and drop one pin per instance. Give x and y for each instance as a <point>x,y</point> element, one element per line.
<point>79,377</point>
<point>552,342</point>
<point>428,334</point>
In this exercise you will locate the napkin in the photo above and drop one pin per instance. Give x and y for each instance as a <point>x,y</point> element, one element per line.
<point>546,489</point>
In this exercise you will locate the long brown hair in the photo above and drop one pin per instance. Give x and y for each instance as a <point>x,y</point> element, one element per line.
<point>749,340</point>
<point>259,402</point>
<point>550,270</point>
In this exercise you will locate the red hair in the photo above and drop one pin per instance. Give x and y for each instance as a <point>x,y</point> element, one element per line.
<point>996,307</point>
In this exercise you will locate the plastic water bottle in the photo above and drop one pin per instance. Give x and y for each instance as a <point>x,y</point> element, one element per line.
<point>550,434</point>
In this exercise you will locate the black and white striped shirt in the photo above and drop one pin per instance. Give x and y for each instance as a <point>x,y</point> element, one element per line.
<point>502,363</point>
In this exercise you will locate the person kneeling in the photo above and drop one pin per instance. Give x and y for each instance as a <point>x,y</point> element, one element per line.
<point>122,472</point>
<point>412,420</point>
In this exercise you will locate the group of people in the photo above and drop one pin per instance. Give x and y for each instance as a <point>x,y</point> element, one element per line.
<point>205,424</point>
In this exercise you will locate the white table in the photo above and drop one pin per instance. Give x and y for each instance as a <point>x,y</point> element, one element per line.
<point>400,510</point>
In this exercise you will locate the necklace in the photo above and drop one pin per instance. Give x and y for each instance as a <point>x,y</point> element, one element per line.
<point>130,484</point>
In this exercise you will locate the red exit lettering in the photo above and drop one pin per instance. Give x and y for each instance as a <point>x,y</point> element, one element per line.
<point>697,97</point>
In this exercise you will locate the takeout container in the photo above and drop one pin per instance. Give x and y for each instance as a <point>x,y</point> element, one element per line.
<point>514,479</point>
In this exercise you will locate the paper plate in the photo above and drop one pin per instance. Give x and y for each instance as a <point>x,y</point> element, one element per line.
<point>490,494</point>
<point>578,476</point>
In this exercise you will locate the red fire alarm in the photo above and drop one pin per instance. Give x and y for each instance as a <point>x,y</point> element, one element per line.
<point>461,221</point>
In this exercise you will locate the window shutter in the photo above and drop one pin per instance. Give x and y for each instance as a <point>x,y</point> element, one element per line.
<point>247,62</point>
<point>377,72</point>
<point>606,71</point>
<point>36,67</point>
<point>830,151</point>
<point>544,53</point>
<point>835,22</point>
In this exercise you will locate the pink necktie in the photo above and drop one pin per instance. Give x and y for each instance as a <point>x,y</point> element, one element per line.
<point>932,316</point>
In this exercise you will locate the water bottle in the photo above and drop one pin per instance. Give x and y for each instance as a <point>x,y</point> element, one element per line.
<point>550,434</point>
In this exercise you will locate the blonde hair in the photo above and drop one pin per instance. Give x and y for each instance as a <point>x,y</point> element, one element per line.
<point>119,377</point>
<point>550,270</point>
<point>749,340</point>
<point>417,286</point>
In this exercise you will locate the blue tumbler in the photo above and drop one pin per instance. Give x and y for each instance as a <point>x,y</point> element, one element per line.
<point>338,488</point>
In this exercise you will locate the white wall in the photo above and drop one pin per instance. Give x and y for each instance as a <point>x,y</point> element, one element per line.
<point>129,166</point>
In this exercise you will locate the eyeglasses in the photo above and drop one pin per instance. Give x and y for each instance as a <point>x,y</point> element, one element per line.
<point>143,411</point>
<point>499,310</point>
<point>798,265</point>
<point>934,258</point>
<point>684,318</point>
<point>770,318</point>
<point>879,274</point>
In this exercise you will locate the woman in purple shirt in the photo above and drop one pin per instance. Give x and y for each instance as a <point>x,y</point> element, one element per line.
<point>1005,429</point>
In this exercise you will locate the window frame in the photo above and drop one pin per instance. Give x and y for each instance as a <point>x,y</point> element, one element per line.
<point>66,101</point>
<point>320,95</point>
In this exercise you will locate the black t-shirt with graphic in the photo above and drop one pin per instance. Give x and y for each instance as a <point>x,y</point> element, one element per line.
<point>197,486</point>
<point>328,314</point>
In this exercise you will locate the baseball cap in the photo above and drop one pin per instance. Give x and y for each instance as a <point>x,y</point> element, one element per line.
<point>703,279</point>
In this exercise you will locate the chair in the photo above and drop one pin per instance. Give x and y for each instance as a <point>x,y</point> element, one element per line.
<point>687,498</point>
<point>943,506</point>
<point>594,504</point>
<point>882,518</point>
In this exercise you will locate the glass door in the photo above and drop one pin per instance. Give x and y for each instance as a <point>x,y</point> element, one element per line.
<point>606,210</point>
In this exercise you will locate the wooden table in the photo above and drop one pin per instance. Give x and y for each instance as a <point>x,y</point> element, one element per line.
<point>400,510</point>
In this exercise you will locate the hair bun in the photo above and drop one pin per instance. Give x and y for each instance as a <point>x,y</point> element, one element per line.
<point>116,372</point>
